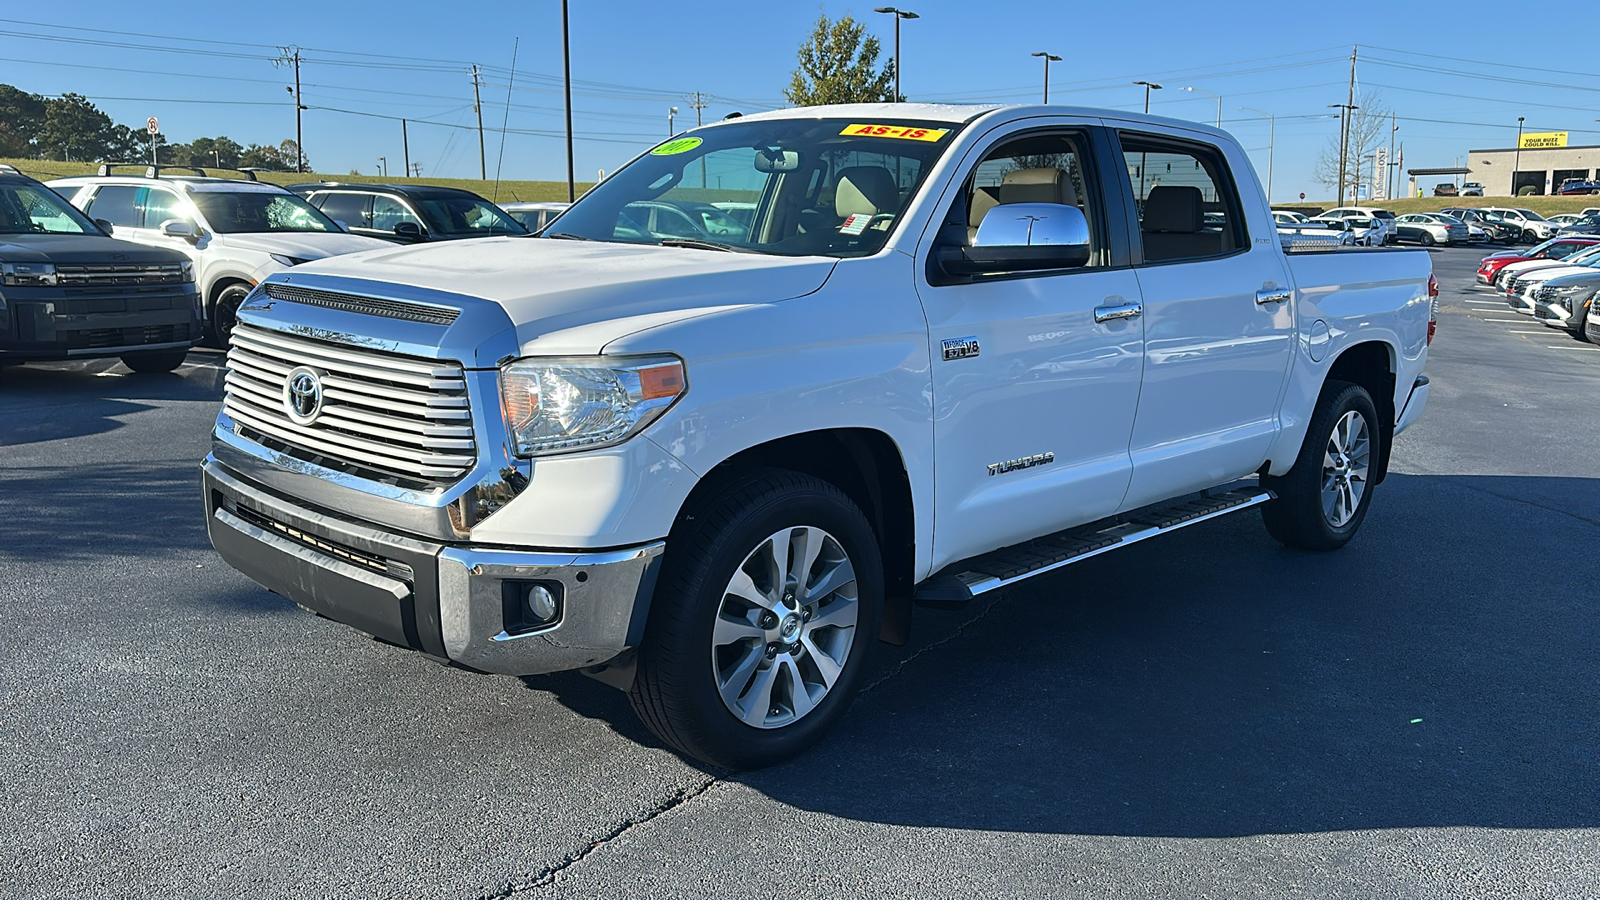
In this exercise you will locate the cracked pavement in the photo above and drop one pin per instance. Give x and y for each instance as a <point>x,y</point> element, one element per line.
<point>1208,715</point>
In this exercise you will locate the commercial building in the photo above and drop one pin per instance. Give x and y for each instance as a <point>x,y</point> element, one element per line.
<point>1505,173</point>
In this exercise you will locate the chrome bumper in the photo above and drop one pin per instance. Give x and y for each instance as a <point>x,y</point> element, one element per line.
<point>455,602</point>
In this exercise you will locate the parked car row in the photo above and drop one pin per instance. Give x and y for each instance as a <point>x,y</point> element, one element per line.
<point>1555,282</point>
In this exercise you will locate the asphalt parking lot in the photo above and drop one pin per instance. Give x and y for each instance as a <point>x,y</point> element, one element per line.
<point>1417,715</point>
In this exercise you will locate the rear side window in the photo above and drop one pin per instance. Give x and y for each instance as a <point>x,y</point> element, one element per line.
<point>1188,207</point>
<point>117,204</point>
<point>388,212</point>
<point>351,209</point>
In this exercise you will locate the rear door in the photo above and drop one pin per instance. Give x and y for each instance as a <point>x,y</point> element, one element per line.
<point>1218,318</point>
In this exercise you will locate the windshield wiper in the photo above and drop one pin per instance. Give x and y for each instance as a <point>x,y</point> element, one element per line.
<point>567,236</point>
<point>698,244</point>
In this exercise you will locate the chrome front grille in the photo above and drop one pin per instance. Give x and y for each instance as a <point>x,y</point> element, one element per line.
<point>383,415</point>
<point>122,273</point>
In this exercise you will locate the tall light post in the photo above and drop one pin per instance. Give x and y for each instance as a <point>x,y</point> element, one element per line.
<point>383,166</point>
<point>1048,59</point>
<point>898,15</point>
<point>1516,159</point>
<point>1346,113</point>
<point>1148,87</point>
<point>1218,98</point>
<point>1272,133</point>
<point>672,111</point>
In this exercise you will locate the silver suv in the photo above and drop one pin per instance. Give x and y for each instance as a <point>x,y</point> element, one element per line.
<point>237,231</point>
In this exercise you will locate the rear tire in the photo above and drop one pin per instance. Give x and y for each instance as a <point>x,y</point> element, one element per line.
<point>153,362</point>
<point>1323,499</point>
<point>1427,239</point>
<point>752,654</point>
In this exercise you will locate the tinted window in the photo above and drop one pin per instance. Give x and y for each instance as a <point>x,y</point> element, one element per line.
<point>251,212</point>
<point>351,209</point>
<point>25,209</point>
<point>387,212</point>
<point>1188,208</point>
<point>117,204</point>
<point>464,216</point>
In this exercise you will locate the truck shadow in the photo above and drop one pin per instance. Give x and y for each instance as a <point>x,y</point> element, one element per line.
<point>1433,673</point>
<point>55,401</point>
<point>52,514</point>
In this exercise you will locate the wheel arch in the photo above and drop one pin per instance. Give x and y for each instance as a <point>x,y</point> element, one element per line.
<point>869,467</point>
<point>1372,365</point>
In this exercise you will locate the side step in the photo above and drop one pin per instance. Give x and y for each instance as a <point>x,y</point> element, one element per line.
<point>959,583</point>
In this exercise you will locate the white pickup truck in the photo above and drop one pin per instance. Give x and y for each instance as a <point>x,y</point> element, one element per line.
<point>955,347</point>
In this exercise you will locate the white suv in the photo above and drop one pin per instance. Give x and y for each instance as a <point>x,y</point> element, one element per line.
<point>237,231</point>
<point>1387,233</point>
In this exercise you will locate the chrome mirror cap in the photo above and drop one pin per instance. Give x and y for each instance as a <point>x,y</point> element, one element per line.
<point>1033,225</point>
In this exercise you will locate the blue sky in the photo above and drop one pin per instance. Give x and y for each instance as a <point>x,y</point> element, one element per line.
<point>633,60</point>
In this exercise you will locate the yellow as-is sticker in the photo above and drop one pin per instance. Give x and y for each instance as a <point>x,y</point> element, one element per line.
<point>903,132</point>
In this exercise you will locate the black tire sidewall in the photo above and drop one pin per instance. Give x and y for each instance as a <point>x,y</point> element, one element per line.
<point>226,311</point>
<point>154,362</point>
<point>1296,517</point>
<point>693,592</point>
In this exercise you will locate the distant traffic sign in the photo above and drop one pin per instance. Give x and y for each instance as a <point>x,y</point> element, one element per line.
<point>151,125</point>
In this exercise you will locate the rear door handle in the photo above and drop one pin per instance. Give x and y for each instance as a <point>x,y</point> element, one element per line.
<point>1276,295</point>
<point>1120,311</point>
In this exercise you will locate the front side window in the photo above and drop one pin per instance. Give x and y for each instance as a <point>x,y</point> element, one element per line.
<point>354,210</point>
<point>25,209</point>
<point>387,212</point>
<point>788,187</point>
<point>1188,208</point>
<point>255,212</point>
<point>463,216</point>
<point>1036,168</point>
<point>160,206</point>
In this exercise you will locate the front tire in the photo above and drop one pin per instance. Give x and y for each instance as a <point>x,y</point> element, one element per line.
<point>769,600</point>
<point>1323,499</point>
<point>152,362</point>
<point>225,314</point>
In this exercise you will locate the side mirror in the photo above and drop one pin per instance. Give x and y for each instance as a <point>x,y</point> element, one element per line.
<point>178,228</point>
<point>105,225</point>
<point>411,231</point>
<point>1023,237</point>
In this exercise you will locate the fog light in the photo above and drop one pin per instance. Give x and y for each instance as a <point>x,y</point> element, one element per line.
<point>540,604</point>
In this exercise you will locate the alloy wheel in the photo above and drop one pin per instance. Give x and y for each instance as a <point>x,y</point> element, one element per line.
<point>1345,465</point>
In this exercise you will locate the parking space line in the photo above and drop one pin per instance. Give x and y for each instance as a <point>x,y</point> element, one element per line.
<point>1540,331</point>
<point>1587,349</point>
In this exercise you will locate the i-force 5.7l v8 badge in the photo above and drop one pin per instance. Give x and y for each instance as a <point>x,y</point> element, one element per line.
<point>960,348</point>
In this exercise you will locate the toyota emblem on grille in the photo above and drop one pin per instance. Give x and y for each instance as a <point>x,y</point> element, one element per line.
<point>302,395</point>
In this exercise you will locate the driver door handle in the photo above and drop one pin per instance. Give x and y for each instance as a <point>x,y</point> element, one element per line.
<point>1276,295</point>
<point>1118,311</point>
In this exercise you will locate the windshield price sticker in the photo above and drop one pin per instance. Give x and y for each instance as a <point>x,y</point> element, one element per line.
<point>681,145</point>
<point>903,132</point>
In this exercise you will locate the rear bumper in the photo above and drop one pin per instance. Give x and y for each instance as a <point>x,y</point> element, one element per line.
<point>461,603</point>
<point>1414,405</point>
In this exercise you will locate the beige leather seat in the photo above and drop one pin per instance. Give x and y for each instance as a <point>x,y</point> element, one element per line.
<point>1174,224</point>
<point>865,190</point>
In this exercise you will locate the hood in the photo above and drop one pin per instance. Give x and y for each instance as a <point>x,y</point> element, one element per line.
<point>577,296</point>
<point>1545,273</point>
<point>301,244</point>
<point>81,249</point>
<point>1580,277</point>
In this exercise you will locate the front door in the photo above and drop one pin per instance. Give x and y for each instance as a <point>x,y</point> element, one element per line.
<point>1218,323</point>
<point>1033,398</point>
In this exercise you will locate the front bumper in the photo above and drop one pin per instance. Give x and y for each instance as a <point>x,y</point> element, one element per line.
<point>1557,315</point>
<point>55,323</point>
<point>459,602</point>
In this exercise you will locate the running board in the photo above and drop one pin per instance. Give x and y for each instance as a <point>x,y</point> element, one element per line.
<point>959,583</point>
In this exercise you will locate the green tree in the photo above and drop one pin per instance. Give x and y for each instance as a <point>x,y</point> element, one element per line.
<point>206,151</point>
<point>838,64</point>
<point>262,157</point>
<point>21,120</point>
<point>74,129</point>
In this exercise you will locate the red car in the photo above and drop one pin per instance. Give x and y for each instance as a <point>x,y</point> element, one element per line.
<point>1555,248</point>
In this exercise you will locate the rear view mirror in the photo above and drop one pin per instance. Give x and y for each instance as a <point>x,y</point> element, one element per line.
<point>1020,237</point>
<point>775,160</point>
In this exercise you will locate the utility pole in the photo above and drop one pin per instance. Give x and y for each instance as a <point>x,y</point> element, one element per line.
<point>1516,160</point>
<point>291,56</point>
<point>698,105</point>
<point>1350,106</point>
<point>477,107</point>
<point>566,77</point>
<point>405,145</point>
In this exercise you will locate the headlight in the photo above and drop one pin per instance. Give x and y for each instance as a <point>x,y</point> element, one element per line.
<point>188,271</point>
<point>555,405</point>
<point>287,260</point>
<point>27,274</point>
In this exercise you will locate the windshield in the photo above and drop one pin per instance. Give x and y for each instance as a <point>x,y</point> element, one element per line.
<point>254,212</point>
<point>465,216</point>
<point>35,209</point>
<point>1531,215</point>
<point>788,187</point>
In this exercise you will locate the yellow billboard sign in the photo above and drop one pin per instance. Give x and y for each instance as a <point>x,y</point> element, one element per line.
<point>1544,140</point>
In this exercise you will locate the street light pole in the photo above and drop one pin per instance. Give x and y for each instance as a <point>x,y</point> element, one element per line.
<point>1148,87</point>
<point>1218,98</point>
<point>672,111</point>
<point>383,166</point>
<point>1048,59</point>
<point>1272,133</point>
<point>898,15</point>
<point>1346,112</point>
<point>1516,160</point>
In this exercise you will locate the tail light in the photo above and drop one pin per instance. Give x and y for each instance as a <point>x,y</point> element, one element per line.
<point>1433,306</point>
